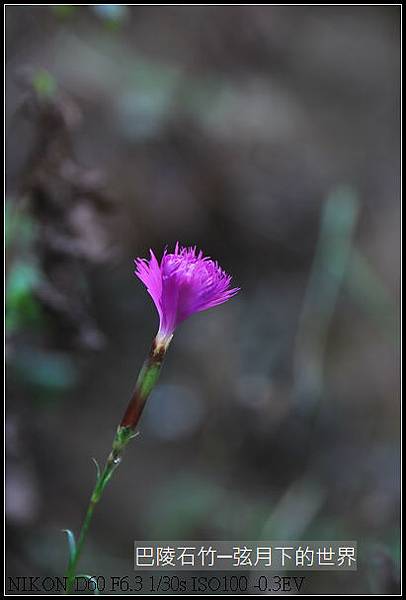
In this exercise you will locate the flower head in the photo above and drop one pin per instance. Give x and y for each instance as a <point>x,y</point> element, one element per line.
<point>183,283</point>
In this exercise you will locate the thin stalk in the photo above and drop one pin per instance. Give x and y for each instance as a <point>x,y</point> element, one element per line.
<point>125,432</point>
<point>71,571</point>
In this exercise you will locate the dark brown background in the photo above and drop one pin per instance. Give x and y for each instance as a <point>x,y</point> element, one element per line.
<point>268,136</point>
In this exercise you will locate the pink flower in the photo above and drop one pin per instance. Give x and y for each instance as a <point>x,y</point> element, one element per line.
<point>183,283</point>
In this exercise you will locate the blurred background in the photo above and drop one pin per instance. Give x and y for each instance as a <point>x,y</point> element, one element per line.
<point>269,137</point>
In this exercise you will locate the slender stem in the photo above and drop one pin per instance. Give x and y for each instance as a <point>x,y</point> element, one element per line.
<point>125,432</point>
<point>71,571</point>
<point>121,439</point>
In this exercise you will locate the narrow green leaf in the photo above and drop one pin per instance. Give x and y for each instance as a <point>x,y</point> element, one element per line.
<point>98,472</point>
<point>71,543</point>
